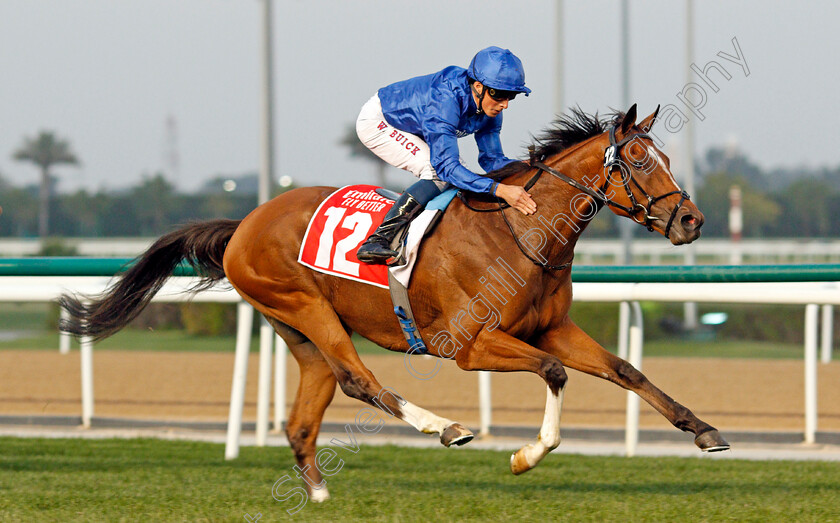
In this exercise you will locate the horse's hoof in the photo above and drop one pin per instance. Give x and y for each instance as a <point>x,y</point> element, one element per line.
<point>455,434</point>
<point>319,495</point>
<point>711,441</point>
<point>518,463</point>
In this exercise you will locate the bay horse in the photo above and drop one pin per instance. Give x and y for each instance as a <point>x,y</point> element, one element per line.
<point>517,322</point>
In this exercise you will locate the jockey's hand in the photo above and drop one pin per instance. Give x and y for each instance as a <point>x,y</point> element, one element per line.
<point>516,197</point>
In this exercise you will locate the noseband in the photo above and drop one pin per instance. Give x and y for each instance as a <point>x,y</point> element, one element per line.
<point>613,162</point>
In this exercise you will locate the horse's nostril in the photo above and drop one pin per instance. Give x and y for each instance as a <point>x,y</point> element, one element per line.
<point>691,222</point>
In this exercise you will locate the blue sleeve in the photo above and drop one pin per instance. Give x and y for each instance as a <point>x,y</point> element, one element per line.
<point>490,155</point>
<point>440,133</point>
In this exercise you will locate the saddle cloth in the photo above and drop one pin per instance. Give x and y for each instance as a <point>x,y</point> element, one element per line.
<point>345,219</point>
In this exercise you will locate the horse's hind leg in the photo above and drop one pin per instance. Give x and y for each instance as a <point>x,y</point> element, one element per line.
<point>578,351</point>
<point>358,382</point>
<point>315,392</point>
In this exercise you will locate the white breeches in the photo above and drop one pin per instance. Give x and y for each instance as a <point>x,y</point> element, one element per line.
<point>398,148</point>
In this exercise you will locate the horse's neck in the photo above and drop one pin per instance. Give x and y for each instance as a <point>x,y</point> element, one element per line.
<point>560,219</point>
<point>563,212</point>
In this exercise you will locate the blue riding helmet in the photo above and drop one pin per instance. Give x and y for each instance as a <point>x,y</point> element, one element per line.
<point>498,68</point>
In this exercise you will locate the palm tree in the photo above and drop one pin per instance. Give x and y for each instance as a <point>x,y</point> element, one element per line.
<point>357,148</point>
<point>45,150</point>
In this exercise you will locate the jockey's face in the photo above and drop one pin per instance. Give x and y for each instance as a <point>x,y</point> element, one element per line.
<point>491,106</point>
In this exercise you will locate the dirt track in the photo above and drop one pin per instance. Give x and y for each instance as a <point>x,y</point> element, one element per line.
<point>730,394</point>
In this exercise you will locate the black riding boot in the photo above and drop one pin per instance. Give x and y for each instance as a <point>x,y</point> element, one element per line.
<point>377,249</point>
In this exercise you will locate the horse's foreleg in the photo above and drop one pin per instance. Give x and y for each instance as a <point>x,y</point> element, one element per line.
<point>314,394</point>
<point>530,455</point>
<point>578,351</point>
<point>501,352</point>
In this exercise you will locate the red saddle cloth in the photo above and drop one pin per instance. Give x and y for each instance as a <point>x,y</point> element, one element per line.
<point>339,226</point>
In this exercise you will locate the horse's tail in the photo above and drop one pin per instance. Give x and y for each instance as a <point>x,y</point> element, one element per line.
<point>201,244</point>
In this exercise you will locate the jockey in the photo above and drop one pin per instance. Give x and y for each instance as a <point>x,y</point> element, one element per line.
<point>415,125</point>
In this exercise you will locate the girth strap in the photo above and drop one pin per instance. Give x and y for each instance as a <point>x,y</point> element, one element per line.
<point>402,308</point>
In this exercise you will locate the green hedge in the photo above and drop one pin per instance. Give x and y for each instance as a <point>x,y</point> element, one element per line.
<point>210,319</point>
<point>776,323</point>
<point>207,319</point>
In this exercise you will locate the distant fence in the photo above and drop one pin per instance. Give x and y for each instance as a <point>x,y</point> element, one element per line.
<point>654,251</point>
<point>81,266</point>
<point>589,251</point>
<point>73,266</point>
<point>43,279</point>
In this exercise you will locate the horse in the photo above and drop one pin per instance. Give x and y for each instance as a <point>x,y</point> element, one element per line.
<point>491,290</point>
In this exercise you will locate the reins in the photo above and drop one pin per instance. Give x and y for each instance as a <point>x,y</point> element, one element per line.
<point>501,209</point>
<point>612,160</point>
<point>549,266</point>
<point>502,204</point>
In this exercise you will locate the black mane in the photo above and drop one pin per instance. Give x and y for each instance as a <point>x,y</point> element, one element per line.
<point>564,132</point>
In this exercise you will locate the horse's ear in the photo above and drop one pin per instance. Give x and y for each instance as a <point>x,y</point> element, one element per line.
<point>647,124</point>
<point>629,120</point>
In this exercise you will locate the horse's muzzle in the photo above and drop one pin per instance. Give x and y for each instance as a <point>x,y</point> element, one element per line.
<point>686,226</point>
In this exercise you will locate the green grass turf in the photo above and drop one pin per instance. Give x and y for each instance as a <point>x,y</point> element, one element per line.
<point>723,349</point>
<point>31,317</point>
<point>178,340</point>
<point>160,340</point>
<point>150,480</point>
<point>23,316</point>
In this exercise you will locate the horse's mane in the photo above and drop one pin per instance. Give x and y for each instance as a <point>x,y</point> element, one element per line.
<point>566,130</point>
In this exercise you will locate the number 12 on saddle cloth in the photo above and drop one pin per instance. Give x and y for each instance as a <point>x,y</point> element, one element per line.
<point>345,219</point>
<point>339,226</point>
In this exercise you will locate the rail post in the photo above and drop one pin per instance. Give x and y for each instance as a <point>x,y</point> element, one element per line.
<point>86,351</point>
<point>264,383</point>
<point>811,316</point>
<point>827,336</point>
<point>281,350</point>
<point>245,319</point>
<point>636,339</point>
<point>64,337</point>
<point>485,406</point>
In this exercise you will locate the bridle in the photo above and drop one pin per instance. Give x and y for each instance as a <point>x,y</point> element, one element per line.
<point>613,162</point>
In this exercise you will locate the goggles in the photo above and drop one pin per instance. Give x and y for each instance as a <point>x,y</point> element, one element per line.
<point>500,95</point>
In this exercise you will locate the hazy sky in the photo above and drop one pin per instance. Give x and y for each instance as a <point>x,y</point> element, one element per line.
<point>106,74</point>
